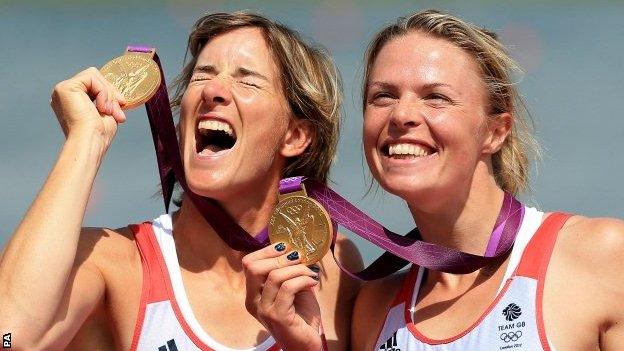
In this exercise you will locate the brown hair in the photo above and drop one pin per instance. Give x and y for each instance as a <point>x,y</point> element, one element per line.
<point>310,83</point>
<point>511,162</point>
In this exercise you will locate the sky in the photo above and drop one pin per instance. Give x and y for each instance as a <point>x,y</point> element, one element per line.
<point>571,52</point>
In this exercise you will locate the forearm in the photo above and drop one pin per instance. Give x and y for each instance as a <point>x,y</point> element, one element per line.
<point>39,257</point>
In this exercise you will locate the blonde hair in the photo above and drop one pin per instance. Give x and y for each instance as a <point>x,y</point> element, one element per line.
<point>511,163</point>
<point>310,83</point>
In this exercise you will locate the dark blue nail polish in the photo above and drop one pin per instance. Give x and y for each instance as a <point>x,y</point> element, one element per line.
<point>279,247</point>
<point>293,256</point>
<point>314,268</point>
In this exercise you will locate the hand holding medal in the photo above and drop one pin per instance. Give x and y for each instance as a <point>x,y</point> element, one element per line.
<point>302,223</point>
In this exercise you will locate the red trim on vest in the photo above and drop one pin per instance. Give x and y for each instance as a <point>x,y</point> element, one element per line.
<point>407,288</point>
<point>145,291</point>
<point>153,273</point>
<point>555,223</point>
<point>541,245</point>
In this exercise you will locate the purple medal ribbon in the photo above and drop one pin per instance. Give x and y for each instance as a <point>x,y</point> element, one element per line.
<point>400,250</point>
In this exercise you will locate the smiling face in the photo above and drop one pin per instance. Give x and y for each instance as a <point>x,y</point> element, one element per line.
<point>425,127</point>
<point>234,117</point>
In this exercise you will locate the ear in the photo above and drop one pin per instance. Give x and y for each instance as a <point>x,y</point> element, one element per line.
<point>297,138</point>
<point>498,128</point>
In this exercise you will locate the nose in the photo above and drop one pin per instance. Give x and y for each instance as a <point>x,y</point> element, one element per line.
<point>405,115</point>
<point>216,92</point>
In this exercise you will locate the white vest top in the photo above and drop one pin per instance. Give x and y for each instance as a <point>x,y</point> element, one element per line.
<point>513,321</point>
<point>166,321</point>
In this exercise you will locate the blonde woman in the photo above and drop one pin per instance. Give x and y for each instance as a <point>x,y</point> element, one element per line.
<point>444,130</point>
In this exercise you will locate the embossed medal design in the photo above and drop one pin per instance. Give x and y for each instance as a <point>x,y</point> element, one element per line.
<point>136,76</point>
<point>303,224</point>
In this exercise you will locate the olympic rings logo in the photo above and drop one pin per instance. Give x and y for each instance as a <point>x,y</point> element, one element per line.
<point>511,336</point>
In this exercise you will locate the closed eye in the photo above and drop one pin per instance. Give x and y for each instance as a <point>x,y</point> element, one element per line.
<point>250,84</point>
<point>381,98</point>
<point>200,78</point>
<point>439,97</point>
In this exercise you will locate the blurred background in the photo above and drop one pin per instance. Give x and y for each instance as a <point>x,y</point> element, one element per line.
<point>571,51</point>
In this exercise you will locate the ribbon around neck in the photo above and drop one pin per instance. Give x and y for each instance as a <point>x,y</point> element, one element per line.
<point>400,250</point>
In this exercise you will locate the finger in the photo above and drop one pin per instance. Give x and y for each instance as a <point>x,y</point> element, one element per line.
<point>256,271</point>
<point>267,252</point>
<point>285,298</point>
<point>115,94</point>
<point>110,92</point>
<point>260,263</point>
<point>264,266</point>
<point>101,98</point>
<point>278,277</point>
<point>118,113</point>
<point>97,88</point>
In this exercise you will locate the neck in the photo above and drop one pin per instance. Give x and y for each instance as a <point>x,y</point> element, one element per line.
<point>198,245</point>
<point>464,223</point>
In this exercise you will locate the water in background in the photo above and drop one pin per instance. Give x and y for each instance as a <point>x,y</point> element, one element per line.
<point>571,52</point>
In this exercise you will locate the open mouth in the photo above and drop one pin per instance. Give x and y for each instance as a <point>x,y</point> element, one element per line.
<point>213,136</point>
<point>406,151</point>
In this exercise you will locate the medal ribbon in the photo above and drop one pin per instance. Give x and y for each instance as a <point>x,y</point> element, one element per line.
<point>400,250</point>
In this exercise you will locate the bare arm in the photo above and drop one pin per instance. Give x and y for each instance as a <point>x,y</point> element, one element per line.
<point>598,246</point>
<point>583,300</point>
<point>39,279</point>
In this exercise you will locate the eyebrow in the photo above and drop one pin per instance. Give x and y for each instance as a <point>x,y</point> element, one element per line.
<point>240,72</point>
<point>386,85</point>
<point>205,69</point>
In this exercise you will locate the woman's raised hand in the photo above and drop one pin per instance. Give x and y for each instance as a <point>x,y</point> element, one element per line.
<point>280,294</point>
<point>88,103</point>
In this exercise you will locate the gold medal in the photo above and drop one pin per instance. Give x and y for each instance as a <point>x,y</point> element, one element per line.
<point>303,224</point>
<point>135,75</point>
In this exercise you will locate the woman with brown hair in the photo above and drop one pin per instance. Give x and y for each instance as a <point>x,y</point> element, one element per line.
<point>256,104</point>
<point>444,129</point>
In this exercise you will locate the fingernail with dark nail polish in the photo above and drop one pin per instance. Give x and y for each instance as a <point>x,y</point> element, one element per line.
<point>314,268</point>
<point>293,256</point>
<point>316,277</point>
<point>280,247</point>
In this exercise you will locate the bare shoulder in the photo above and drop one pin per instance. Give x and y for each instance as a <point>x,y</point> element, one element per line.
<point>106,247</point>
<point>597,243</point>
<point>377,295</point>
<point>371,306</point>
<point>585,271</point>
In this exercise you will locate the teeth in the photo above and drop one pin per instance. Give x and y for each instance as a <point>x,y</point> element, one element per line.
<point>211,124</point>
<point>407,149</point>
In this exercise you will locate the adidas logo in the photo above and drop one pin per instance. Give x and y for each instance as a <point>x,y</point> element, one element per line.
<point>171,346</point>
<point>391,344</point>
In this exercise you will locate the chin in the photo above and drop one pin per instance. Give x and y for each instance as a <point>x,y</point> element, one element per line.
<point>413,189</point>
<point>208,184</point>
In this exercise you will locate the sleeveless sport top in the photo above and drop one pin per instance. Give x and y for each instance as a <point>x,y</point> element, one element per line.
<point>166,321</point>
<point>513,321</point>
